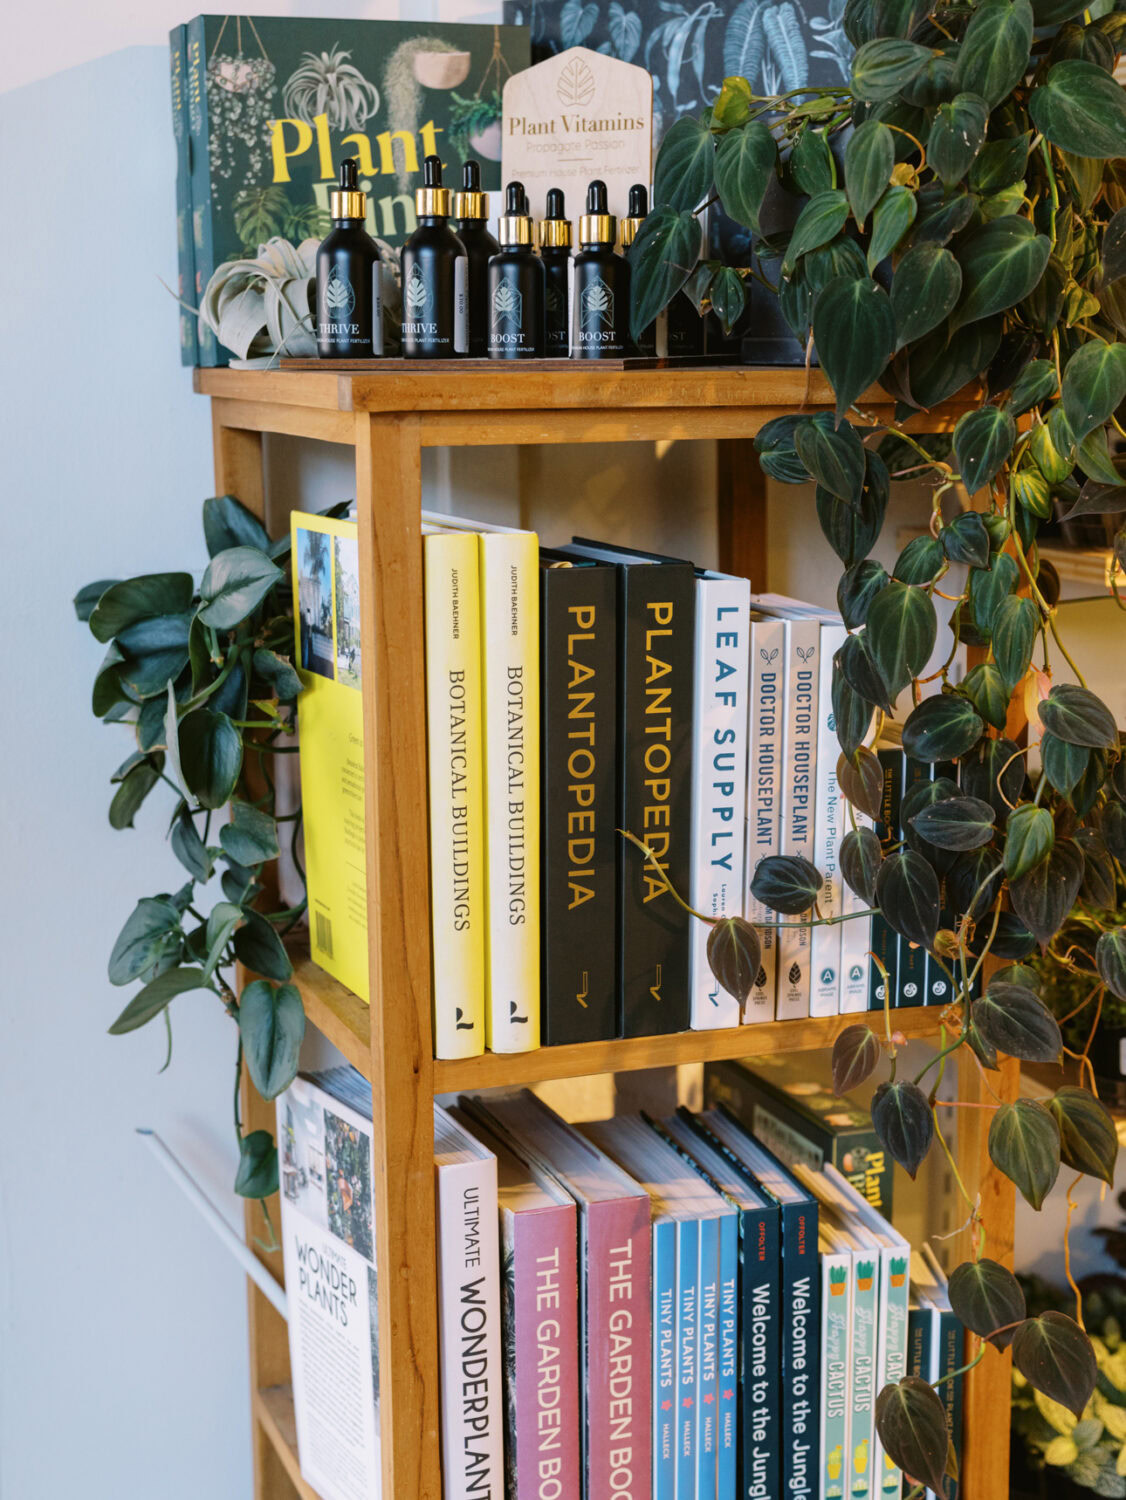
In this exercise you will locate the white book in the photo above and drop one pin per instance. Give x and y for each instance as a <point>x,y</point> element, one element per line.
<point>764,792</point>
<point>825,947</point>
<point>469,1340</point>
<point>719,785</point>
<point>324,1131</point>
<point>856,933</point>
<point>799,750</point>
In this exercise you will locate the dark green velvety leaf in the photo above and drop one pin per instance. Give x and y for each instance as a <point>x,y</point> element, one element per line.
<point>1088,1138</point>
<point>920,562</point>
<point>124,604</point>
<point>1086,790</point>
<point>1035,384</point>
<point>854,331</point>
<point>820,220</point>
<point>151,935</point>
<point>685,165</point>
<point>922,794</point>
<point>1080,108</point>
<point>1113,254</point>
<point>908,896</point>
<point>210,756</point>
<point>861,779</point>
<point>271,1023</point>
<point>1014,627</point>
<point>1110,960</point>
<point>1094,385</point>
<point>861,672</point>
<point>156,995</point>
<point>786,883</point>
<point>1094,458</point>
<point>901,631</point>
<point>1100,879</point>
<point>1043,898</point>
<point>1012,941</point>
<point>939,367</point>
<point>1055,1356</point>
<point>811,163</point>
<point>857,588</point>
<point>1016,1021</point>
<point>861,857</point>
<point>227,523</point>
<point>783,464</point>
<point>946,218</point>
<point>851,531</point>
<point>88,595</point>
<point>1024,1143</point>
<point>911,1425</point>
<point>1063,764</point>
<point>1000,164</point>
<point>1001,263</point>
<point>893,217</point>
<point>1097,499</point>
<point>926,285</point>
<point>221,923</point>
<point>251,837</point>
<point>1029,838</point>
<point>728,297</point>
<point>989,586</point>
<point>278,673</point>
<point>959,823</point>
<point>661,258</point>
<point>994,55</point>
<point>234,585</point>
<point>834,457</point>
<point>984,686</point>
<point>987,1296</point>
<point>734,956</point>
<point>881,68</point>
<point>744,164</point>
<point>852,715</point>
<point>131,793</point>
<point>865,20</point>
<point>983,440</point>
<point>902,1118</point>
<point>855,1055</point>
<point>957,135</point>
<point>966,540</point>
<point>972,882</point>
<point>258,947</point>
<point>993,761</point>
<point>189,848</point>
<point>1076,715</point>
<point>868,161</point>
<point>944,727</point>
<point>257,1175</point>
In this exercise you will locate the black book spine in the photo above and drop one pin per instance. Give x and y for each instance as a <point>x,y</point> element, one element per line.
<point>578,695</point>
<point>657,607</point>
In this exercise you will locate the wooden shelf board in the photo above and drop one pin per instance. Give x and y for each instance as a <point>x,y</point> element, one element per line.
<point>273,1409</point>
<point>336,1011</point>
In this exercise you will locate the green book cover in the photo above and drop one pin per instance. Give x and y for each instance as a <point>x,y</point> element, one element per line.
<point>275,103</point>
<point>185,253</point>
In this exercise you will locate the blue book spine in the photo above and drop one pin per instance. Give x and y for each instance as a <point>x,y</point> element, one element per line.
<point>938,989</point>
<point>687,1355</point>
<point>801,1357</point>
<point>664,1360</point>
<point>951,1352</point>
<point>727,1371</point>
<point>919,1339</point>
<point>760,1459</point>
<point>707,1452</point>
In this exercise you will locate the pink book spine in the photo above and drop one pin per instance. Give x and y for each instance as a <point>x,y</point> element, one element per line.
<point>619,1351</point>
<point>546,1293</point>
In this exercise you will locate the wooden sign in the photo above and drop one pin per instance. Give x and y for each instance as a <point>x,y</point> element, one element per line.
<point>577,116</point>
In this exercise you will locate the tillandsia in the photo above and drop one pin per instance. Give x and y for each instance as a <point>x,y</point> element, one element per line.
<point>958,231</point>
<point>203,676</point>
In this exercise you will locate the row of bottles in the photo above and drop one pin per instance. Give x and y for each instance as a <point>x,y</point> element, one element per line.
<point>466,293</point>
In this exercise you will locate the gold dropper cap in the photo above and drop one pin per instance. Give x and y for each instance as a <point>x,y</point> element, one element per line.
<point>597,227</point>
<point>432,200</point>
<point>471,202</point>
<point>555,229</point>
<point>346,201</point>
<point>638,208</point>
<point>515,225</point>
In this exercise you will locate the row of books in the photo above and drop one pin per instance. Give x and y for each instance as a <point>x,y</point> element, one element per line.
<point>572,693</point>
<point>647,1308</point>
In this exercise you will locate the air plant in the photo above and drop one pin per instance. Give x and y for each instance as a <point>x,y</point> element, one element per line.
<point>404,92</point>
<point>328,84</point>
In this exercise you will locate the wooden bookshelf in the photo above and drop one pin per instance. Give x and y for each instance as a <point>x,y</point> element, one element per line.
<point>387,417</point>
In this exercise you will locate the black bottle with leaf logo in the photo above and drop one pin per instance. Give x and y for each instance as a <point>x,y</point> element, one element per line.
<point>435,276</point>
<point>601,293</point>
<point>555,252</point>
<point>349,304</point>
<point>516,284</point>
<point>471,209</point>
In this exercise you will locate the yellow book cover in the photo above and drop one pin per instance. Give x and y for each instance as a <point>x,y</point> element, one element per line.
<point>455,766</point>
<point>510,651</point>
<point>326,594</point>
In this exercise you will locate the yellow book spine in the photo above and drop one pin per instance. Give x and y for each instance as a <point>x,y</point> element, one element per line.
<point>455,763</point>
<point>510,640</point>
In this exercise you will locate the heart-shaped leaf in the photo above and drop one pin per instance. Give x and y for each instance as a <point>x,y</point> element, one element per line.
<point>1001,263</point>
<point>1024,1143</point>
<point>251,837</point>
<point>259,948</point>
<point>661,258</point>
<point>908,895</point>
<point>920,562</point>
<point>278,673</point>
<point>851,530</point>
<point>988,586</point>
<point>904,1122</point>
<point>957,135</point>
<point>1076,715</point>
<point>1029,837</point>
<point>861,779</point>
<point>893,217</point>
<point>1079,107</point>
<point>1000,164</point>
<point>234,585</point>
<point>926,285</point>
<point>156,995</point>
<point>190,849</point>
<point>1043,897</point>
<point>1055,1356</point>
<point>1014,628</point>
<point>134,788</point>
<point>861,672</point>
<point>271,1023</point>
<point>744,165</point>
<point>852,715</point>
<point>1017,1022</point>
<point>210,756</point>
<point>820,220</point>
<point>150,936</point>
<point>966,539</point>
<point>868,162</point>
<point>683,175</point>
<point>901,630</point>
<point>960,823</point>
<point>735,956</point>
<point>855,1055</point>
<point>227,523</point>
<point>972,882</point>
<point>944,727</point>
<point>257,1175</point>
<point>861,856</point>
<point>984,686</point>
<point>1100,879</point>
<point>858,586</point>
<point>1114,830</point>
<point>1088,1138</point>
<point>994,761</point>
<point>881,68</point>
<point>1036,384</point>
<point>1094,385</point>
<point>983,440</point>
<point>994,55</point>
<point>854,330</point>
<point>786,883</point>
<point>987,1296</point>
<point>835,458</point>
<point>811,162</point>
<point>134,599</point>
<point>1110,960</point>
<point>911,1424</point>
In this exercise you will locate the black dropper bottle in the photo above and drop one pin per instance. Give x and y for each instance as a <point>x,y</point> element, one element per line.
<point>555,252</point>
<point>601,313</point>
<point>471,209</point>
<point>646,344</point>
<point>435,276</point>
<point>516,284</point>
<point>349,302</point>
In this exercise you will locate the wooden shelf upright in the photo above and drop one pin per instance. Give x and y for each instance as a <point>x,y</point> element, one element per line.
<point>388,417</point>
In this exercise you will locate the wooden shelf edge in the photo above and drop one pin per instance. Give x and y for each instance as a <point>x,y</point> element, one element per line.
<point>336,1011</point>
<point>273,1410</point>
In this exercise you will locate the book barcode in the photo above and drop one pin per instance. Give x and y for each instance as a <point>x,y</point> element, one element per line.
<point>323,933</point>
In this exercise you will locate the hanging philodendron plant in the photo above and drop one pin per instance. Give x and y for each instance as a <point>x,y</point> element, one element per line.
<point>961,231</point>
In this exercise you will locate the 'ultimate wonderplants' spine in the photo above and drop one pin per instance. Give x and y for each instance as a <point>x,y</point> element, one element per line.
<point>764,791</point>
<point>799,755</point>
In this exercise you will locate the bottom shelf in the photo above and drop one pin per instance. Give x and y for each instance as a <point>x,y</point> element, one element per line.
<point>273,1411</point>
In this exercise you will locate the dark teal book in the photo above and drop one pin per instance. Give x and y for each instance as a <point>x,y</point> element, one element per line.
<point>185,246</point>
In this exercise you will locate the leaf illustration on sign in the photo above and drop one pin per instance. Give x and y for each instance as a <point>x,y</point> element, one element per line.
<point>339,296</point>
<point>576,84</point>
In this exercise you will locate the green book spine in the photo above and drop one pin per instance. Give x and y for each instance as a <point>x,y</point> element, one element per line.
<point>185,247</point>
<point>209,352</point>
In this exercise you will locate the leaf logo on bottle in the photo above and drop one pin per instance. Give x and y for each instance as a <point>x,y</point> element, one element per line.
<point>597,305</point>
<point>418,294</point>
<point>508,305</point>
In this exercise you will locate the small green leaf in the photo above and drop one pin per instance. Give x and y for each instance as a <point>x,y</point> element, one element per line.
<point>868,162</point>
<point>811,163</point>
<point>1055,1356</point>
<point>852,715</point>
<point>189,848</point>
<point>210,756</point>
<point>911,1426</point>
<point>271,1023</point>
<point>734,956</point>
<point>88,595</point>
<point>1110,960</point>
<point>1030,835</point>
<point>1000,164</point>
<point>926,285</point>
<point>257,1175</point>
<point>861,672</point>
<point>224,917</point>
<point>227,523</point>
<point>894,215</point>
<point>991,762</point>
<point>861,780</point>
<point>123,604</point>
<point>1043,897</point>
<point>901,631</point>
<point>857,588</point>
<point>959,823</point>
<point>852,530</point>
<point>1024,1143</point>
<point>251,837</point>
<point>984,686</point>
<point>728,297</point>
<point>987,1296</point>
<point>685,165</point>
<point>258,947</point>
<point>957,135</point>
<point>904,1122</point>
<point>1001,263</point>
<point>151,935</point>
<point>820,220</point>
<point>1016,1021</point>
<point>835,458</point>
<point>1080,108</point>
<point>881,68</point>
<point>1035,385</point>
<point>908,896</point>
<point>156,995</point>
<point>661,258</point>
<point>786,883</point>
<point>920,562</point>
<point>234,585</point>
<point>944,727</point>
<point>983,440</point>
<point>1094,385</point>
<point>861,857</point>
<point>131,793</point>
<point>855,1055</point>
<point>966,540</point>
<point>279,673</point>
<point>1088,1138</point>
<point>994,55</point>
<point>1076,715</point>
<point>744,165</point>
<point>1015,624</point>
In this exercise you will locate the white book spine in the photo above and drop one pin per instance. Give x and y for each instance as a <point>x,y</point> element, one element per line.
<point>891,1357</point>
<point>799,754</point>
<point>825,949</point>
<point>836,1372</point>
<point>856,933</point>
<point>764,792</point>
<point>510,636</point>
<point>719,787</point>
<point>469,1330</point>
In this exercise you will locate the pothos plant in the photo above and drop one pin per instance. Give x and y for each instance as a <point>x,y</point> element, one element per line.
<point>203,676</point>
<point>959,230</point>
